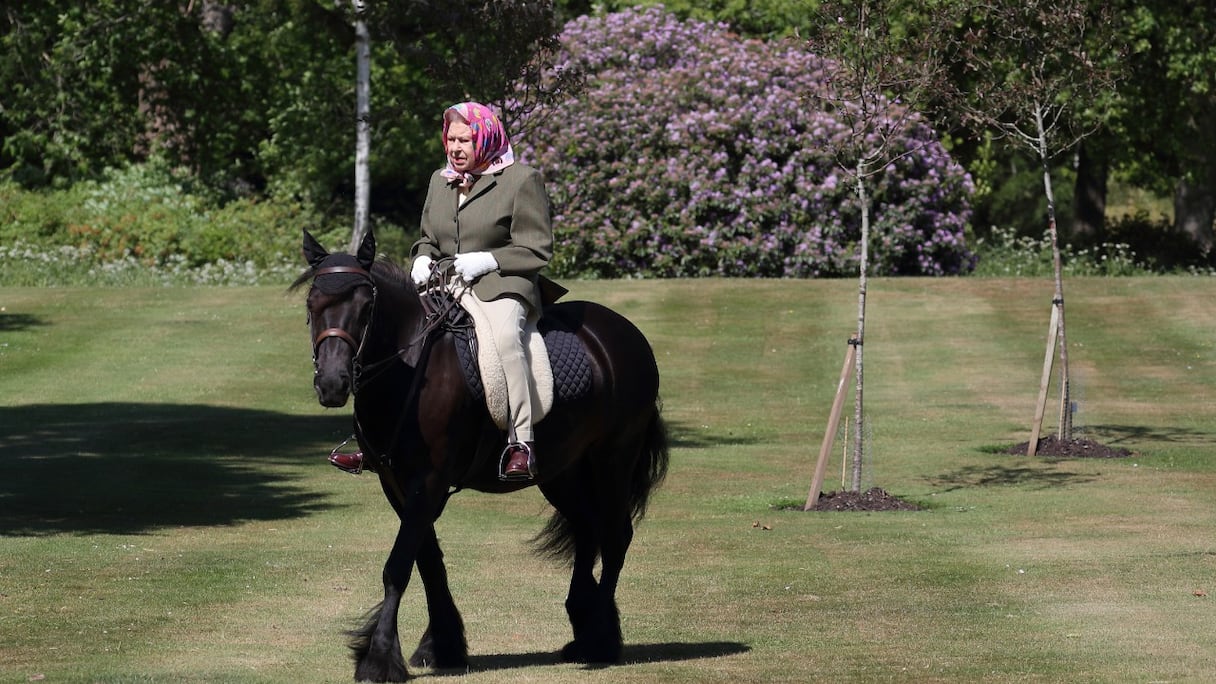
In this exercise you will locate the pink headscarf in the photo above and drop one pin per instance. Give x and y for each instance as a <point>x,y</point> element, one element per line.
<point>491,149</point>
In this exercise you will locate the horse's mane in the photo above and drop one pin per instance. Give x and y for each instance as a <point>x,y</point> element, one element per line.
<point>384,270</point>
<point>388,269</point>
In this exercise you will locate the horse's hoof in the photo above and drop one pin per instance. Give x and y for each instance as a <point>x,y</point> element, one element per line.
<point>441,654</point>
<point>381,672</point>
<point>575,652</point>
<point>420,659</point>
<point>570,653</point>
<point>430,660</point>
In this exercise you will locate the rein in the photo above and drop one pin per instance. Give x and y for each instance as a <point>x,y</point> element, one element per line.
<point>440,306</point>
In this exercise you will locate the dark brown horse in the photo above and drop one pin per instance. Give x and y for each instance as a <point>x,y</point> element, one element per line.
<point>422,430</point>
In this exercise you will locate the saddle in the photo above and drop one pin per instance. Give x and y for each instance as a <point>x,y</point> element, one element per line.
<point>561,368</point>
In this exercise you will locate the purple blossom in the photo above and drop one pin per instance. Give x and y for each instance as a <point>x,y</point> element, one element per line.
<point>694,152</point>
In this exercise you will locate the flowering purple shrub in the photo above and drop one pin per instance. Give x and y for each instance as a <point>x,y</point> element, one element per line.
<point>693,152</point>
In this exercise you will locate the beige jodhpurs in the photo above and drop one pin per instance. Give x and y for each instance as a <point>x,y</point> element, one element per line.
<point>507,317</point>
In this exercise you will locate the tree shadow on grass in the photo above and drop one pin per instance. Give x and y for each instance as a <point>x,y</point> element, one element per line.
<point>12,322</point>
<point>131,468</point>
<point>1137,434</point>
<point>1035,475</point>
<point>633,653</point>
<point>682,436</point>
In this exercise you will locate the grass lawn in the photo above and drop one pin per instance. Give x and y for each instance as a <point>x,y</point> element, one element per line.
<point>166,513</point>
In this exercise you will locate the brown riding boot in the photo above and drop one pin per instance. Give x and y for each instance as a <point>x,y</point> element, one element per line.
<point>350,462</point>
<point>518,458</point>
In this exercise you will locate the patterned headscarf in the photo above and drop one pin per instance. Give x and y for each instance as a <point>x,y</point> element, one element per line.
<point>491,149</point>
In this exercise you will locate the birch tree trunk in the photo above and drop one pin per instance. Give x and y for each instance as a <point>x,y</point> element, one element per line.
<point>858,404</point>
<point>363,130</point>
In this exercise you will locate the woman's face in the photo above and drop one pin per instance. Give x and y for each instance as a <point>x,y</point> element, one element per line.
<point>459,145</point>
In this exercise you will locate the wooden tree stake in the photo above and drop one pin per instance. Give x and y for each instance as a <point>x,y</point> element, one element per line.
<point>833,423</point>
<point>1048,359</point>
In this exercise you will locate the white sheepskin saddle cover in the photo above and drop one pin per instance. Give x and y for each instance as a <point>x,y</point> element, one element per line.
<point>494,379</point>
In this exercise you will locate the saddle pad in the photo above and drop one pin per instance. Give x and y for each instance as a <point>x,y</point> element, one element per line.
<point>560,351</point>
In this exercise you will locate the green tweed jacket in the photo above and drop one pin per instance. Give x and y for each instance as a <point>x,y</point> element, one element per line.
<point>507,214</point>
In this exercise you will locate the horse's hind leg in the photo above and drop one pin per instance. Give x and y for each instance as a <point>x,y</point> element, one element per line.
<point>443,644</point>
<point>606,635</point>
<point>594,614</point>
<point>581,603</point>
<point>596,527</point>
<point>591,606</point>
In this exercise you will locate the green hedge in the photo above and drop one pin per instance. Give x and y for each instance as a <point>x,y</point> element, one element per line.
<point>149,217</point>
<point>149,214</point>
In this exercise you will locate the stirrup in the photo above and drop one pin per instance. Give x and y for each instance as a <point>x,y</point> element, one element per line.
<point>333,456</point>
<point>516,477</point>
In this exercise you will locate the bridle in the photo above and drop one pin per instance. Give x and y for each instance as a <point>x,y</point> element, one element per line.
<point>439,311</point>
<point>339,333</point>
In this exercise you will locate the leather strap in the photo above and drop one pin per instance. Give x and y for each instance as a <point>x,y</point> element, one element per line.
<point>338,333</point>
<point>342,269</point>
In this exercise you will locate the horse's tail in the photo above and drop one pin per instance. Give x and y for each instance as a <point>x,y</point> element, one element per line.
<point>556,541</point>
<point>652,468</point>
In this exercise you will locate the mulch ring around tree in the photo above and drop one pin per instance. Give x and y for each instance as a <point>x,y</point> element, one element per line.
<point>877,499</point>
<point>873,499</point>
<point>1070,448</point>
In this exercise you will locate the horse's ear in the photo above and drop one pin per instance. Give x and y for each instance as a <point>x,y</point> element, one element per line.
<point>312,250</point>
<point>367,250</point>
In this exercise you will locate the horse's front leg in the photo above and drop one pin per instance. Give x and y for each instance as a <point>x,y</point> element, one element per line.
<point>377,648</point>
<point>443,645</point>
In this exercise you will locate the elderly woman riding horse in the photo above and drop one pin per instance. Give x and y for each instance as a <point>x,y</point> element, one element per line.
<point>428,435</point>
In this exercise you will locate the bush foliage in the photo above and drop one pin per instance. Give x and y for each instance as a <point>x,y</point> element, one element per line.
<point>693,152</point>
<point>143,226</point>
<point>149,217</point>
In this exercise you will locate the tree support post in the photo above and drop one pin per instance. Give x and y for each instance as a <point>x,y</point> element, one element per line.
<point>1053,333</point>
<point>829,436</point>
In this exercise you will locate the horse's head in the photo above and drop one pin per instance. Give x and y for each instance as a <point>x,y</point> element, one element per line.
<point>340,307</point>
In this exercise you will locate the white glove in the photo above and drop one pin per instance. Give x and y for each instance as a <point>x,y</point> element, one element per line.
<point>420,272</point>
<point>474,265</point>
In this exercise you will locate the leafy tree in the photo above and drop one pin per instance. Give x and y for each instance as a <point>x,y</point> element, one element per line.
<point>255,95</point>
<point>1165,129</point>
<point>1034,82</point>
<point>877,74</point>
<point>111,82</point>
<point>77,76</point>
<point>497,52</point>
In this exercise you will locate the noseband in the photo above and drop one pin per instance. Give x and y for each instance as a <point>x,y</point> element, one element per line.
<point>339,333</point>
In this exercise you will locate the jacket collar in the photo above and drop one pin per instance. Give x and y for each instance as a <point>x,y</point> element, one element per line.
<point>484,184</point>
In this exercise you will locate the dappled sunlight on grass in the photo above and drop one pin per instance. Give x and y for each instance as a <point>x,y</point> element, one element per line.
<point>182,524</point>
